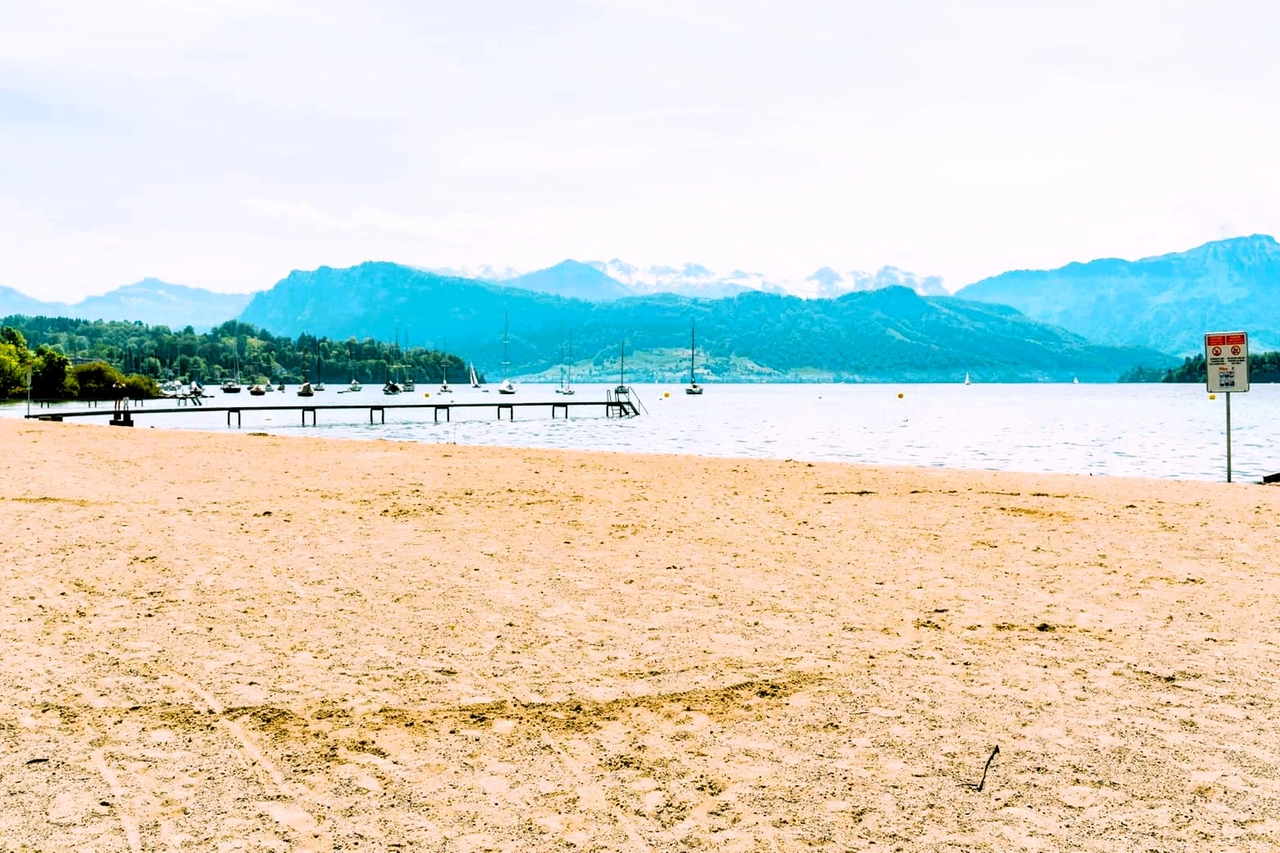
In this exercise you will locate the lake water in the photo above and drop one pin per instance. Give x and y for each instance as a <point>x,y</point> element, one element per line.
<point>1169,431</point>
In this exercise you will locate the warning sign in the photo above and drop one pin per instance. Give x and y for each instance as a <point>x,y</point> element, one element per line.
<point>1226,360</point>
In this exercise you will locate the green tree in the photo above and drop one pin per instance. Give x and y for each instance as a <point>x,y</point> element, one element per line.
<point>50,374</point>
<point>14,360</point>
<point>97,380</point>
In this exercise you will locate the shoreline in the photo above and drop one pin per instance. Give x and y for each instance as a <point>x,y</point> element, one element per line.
<point>1171,435</point>
<point>229,637</point>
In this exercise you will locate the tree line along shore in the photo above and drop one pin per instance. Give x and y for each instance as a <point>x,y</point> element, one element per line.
<point>81,359</point>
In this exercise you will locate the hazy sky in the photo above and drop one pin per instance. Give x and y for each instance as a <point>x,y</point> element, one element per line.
<point>222,143</point>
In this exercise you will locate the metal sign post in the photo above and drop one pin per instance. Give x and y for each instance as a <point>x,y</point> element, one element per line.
<point>1226,363</point>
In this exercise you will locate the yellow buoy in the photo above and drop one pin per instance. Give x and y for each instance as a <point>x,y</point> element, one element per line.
<point>1213,396</point>
<point>666,393</point>
<point>899,395</point>
<point>428,394</point>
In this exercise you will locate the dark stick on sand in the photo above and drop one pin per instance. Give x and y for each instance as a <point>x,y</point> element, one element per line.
<point>991,758</point>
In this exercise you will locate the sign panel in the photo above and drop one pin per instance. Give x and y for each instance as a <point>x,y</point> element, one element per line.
<point>1226,361</point>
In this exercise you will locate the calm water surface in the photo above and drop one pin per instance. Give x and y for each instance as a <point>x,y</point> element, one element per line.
<point>1171,431</point>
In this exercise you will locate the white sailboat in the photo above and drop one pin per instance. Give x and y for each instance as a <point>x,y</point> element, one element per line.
<point>506,387</point>
<point>232,386</point>
<point>475,383</point>
<point>694,388</point>
<point>966,378</point>
<point>444,374</point>
<point>566,376</point>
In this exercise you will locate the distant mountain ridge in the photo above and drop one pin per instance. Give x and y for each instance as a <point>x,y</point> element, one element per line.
<point>149,301</point>
<point>690,279</point>
<point>886,334</point>
<point>1166,302</point>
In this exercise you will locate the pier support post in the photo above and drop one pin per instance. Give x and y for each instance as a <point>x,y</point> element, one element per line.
<point>379,410</point>
<point>237,414</point>
<point>304,416</point>
<point>511,411</point>
<point>446,410</point>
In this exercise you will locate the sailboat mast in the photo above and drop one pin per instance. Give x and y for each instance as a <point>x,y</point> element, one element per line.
<point>693,338</point>
<point>506,340</point>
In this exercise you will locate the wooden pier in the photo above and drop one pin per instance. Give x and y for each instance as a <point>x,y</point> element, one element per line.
<point>614,406</point>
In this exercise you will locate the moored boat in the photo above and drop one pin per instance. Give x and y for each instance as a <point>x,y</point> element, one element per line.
<point>694,388</point>
<point>506,386</point>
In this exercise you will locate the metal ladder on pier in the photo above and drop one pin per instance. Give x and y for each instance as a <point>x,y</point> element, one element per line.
<point>622,402</point>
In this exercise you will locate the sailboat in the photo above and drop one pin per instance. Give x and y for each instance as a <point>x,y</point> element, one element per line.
<point>694,388</point>
<point>319,386</point>
<point>475,383</point>
<point>444,373</point>
<point>391,387</point>
<point>505,387</point>
<point>232,386</point>
<point>305,389</point>
<point>966,378</point>
<point>566,377</point>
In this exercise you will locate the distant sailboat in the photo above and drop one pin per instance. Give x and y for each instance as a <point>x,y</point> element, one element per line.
<point>1075,380</point>
<point>966,378</point>
<point>444,374</point>
<point>505,387</point>
<point>305,389</point>
<point>566,377</point>
<point>475,383</point>
<point>694,388</point>
<point>232,386</point>
<point>391,387</point>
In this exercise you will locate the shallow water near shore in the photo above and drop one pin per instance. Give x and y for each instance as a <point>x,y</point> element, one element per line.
<point>1164,431</point>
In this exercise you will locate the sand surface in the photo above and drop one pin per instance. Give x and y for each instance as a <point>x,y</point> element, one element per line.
<point>230,641</point>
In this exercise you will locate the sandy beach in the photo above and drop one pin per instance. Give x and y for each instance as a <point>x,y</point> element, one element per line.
<point>231,641</point>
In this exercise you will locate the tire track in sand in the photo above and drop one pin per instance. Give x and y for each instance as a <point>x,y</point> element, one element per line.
<point>572,767</point>
<point>289,814</point>
<point>127,820</point>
